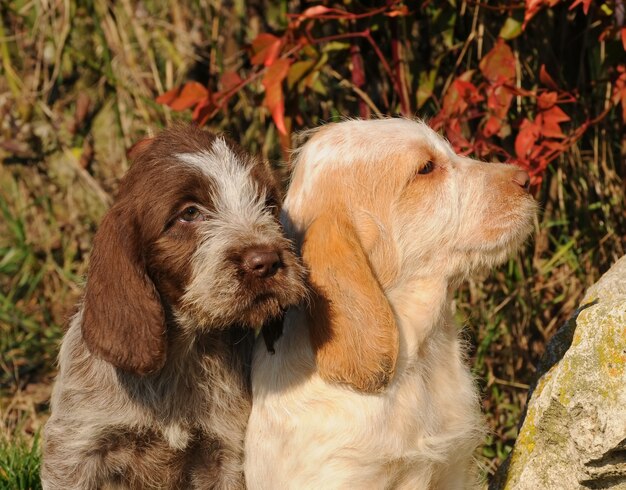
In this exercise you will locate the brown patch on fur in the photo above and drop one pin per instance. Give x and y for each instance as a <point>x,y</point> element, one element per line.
<point>355,339</point>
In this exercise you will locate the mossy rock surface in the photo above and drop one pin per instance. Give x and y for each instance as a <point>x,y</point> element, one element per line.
<point>574,431</point>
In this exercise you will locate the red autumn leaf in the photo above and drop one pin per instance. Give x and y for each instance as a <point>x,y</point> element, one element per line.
<point>492,126</point>
<point>499,100</point>
<point>526,138</point>
<point>399,11</point>
<point>273,83</point>
<point>453,103</point>
<point>498,65</point>
<point>546,100</point>
<point>549,121</point>
<point>230,80</point>
<point>546,79</point>
<point>204,111</point>
<point>537,155</point>
<point>623,33</point>
<point>167,97</point>
<point>462,91</point>
<point>454,134</point>
<point>585,3</point>
<point>190,94</point>
<point>549,129</point>
<point>605,34</point>
<point>556,114</point>
<point>266,48</point>
<point>467,90</point>
<point>534,6</point>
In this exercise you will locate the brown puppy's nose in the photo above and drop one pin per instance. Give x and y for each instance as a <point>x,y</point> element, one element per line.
<point>260,263</point>
<point>522,179</point>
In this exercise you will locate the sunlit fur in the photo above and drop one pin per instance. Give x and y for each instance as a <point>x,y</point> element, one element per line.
<point>369,387</point>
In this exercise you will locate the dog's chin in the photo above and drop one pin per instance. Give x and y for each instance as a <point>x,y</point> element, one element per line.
<point>253,309</point>
<point>262,309</point>
<point>490,254</point>
<point>267,305</point>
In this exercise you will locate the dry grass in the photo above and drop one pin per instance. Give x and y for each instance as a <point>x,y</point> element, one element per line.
<point>77,89</point>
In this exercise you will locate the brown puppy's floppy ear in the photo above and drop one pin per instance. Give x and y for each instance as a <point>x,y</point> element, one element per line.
<point>123,320</point>
<point>353,329</point>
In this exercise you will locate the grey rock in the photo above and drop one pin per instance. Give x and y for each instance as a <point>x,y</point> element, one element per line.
<point>573,435</point>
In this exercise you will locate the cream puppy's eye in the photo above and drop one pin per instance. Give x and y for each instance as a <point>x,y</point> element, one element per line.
<point>427,168</point>
<point>190,214</point>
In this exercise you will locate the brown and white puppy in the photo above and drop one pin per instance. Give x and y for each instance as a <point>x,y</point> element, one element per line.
<point>153,387</point>
<point>368,386</point>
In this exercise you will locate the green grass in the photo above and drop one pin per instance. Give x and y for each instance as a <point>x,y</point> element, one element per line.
<point>19,463</point>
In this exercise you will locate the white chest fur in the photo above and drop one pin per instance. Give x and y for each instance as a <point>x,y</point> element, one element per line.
<point>306,433</point>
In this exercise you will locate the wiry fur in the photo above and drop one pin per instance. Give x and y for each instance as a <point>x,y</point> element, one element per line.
<point>368,387</point>
<point>153,386</point>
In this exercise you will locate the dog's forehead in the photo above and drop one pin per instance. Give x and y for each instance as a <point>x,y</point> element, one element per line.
<point>218,162</point>
<point>188,151</point>
<point>367,142</point>
<point>240,184</point>
<point>368,151</point>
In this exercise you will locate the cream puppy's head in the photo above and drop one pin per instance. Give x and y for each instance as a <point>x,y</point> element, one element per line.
<point>376,206</point>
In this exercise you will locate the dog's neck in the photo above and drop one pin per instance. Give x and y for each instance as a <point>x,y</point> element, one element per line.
<point>230,346</point>
<point>421,306</point>
<point>190,357</point>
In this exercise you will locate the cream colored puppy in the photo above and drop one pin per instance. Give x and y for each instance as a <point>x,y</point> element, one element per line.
<point>368,386</point>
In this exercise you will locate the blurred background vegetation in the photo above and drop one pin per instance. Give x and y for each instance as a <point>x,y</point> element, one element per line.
<point>538,82</point>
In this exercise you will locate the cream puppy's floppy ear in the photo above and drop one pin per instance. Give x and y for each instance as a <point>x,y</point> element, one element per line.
<point>353,332</point>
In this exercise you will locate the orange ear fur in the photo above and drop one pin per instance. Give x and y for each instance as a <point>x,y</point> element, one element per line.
<point>353,329</point>
<point>123,320</point>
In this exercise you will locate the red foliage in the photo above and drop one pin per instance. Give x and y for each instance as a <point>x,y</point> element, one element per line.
<point>475,109</point>
<point>534,6</point>
<point>184,97</point>
<point>585,4</point>
<point>266,48</point>
<point>274,100</point>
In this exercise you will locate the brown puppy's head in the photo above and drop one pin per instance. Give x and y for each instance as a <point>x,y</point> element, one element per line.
<point>192,237</point>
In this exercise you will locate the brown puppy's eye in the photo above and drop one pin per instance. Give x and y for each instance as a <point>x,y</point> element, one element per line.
<point>427,168</point>
<point>190,214</point>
